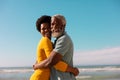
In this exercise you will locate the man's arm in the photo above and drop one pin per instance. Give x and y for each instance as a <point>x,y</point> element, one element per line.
<point>50,61</point>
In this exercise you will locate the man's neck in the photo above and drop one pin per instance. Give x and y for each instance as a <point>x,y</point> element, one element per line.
<point>61,35</point>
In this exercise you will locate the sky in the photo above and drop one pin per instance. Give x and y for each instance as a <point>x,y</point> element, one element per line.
<point>93,25</point>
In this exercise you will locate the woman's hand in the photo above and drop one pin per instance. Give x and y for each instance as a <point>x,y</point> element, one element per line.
<point>75,71</point>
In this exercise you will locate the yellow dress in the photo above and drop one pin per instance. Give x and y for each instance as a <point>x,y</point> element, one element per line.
<point>43,51</point>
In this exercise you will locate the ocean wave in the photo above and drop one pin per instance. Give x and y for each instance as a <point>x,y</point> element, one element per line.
<point>99,69</point>
<point>83,77</point>
<point>82,69</point>
<point>15,70</point>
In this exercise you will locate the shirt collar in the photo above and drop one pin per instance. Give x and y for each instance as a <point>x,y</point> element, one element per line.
<point>61,35</point>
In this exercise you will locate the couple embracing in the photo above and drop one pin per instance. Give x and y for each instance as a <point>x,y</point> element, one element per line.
<point>54,61</point>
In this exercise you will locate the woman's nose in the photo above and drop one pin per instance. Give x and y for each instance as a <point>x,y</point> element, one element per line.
<point>46,30</point>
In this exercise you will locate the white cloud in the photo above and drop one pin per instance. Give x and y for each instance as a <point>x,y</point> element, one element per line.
<point>103,56</point>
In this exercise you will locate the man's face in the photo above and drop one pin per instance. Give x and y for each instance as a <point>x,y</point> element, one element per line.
<point>56,27</point>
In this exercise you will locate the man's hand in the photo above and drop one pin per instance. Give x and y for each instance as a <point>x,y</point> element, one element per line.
<point>34,67</point>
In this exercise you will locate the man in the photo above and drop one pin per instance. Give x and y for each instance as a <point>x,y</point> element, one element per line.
<point>63,50</point>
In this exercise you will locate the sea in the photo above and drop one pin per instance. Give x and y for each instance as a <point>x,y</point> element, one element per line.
<point>89,72</point>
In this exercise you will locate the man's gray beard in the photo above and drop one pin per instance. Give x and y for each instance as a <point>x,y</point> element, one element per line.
<point>56,34</point>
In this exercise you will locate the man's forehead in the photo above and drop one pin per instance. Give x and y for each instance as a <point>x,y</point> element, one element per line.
<point>56,20</point>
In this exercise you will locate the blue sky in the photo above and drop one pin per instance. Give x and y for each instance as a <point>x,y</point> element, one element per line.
<point>94,26</point>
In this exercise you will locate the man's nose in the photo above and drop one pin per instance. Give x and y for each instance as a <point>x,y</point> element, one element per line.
<point>52,27</point>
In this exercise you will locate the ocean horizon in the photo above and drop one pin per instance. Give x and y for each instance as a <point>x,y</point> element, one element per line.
<point>87,72</point>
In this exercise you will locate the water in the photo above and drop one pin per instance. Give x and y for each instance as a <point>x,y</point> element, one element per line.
<point>99,72</point>
<point>104,72</point>
<point>15,73</point>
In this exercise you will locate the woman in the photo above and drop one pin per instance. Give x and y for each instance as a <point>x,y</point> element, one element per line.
<point>43,50</point>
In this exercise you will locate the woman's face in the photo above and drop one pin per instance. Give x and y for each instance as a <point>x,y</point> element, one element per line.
<point>45,30</point>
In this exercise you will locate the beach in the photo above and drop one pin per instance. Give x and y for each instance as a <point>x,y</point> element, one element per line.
<point>99,72</point>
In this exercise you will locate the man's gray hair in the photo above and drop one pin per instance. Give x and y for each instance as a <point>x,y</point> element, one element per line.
<point>62,18</point>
